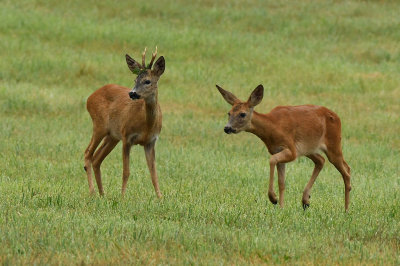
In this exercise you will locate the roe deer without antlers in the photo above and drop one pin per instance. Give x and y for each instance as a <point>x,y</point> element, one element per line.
<point>290,132</point>
<point>133,116</point>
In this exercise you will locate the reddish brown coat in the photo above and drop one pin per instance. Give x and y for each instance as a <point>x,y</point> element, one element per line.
<point>290,132</point>
<point>133,116</point>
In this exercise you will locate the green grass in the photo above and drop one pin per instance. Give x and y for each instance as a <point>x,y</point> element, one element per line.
<point>341,54</point>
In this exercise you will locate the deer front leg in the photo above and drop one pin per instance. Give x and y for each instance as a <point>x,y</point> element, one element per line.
<point>149,151</point>
<point>279,158</point>
<point>280,167</point>
<point>126,148</point>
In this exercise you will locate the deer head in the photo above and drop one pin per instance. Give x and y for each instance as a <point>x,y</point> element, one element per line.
<point>241,112</point>
<point>147,78</point>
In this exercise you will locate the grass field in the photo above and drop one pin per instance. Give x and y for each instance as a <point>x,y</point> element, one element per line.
<point>215,210</point>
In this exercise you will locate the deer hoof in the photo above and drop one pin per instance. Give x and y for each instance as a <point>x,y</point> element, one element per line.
<point>305,206</point>
<point>273,201</point>
<point>272,198</point>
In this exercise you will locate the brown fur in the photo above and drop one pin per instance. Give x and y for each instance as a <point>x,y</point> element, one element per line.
<point>116,117</point>
<point>290,132</point>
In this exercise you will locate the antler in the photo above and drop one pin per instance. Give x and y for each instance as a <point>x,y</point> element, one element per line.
<point>153,56</point>
<point>143,58</point>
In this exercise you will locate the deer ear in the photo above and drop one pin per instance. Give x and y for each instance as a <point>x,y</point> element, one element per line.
<point>132,64</point>
<point>256,96</point>
<point>159,66</point>
<point>229,97</point>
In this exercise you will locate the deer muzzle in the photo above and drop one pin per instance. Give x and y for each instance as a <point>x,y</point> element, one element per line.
<point>133,95</point>
<point>229,130</point>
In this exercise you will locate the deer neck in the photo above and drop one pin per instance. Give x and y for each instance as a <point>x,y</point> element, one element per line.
<point>261,126</point>
<point>152,110</point>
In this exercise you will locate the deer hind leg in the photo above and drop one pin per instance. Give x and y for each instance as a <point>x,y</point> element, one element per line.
<point>126,149</point>
<point>282,157</point>
<point>94,142</point>
<point>151,163</point>
<point>319,164</point>
<point>347,167</point>
<point>336,158</point>
<point>108,145</point>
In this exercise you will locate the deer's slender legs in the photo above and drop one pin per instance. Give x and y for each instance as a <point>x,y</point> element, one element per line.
<point>347,167</point>
<point>280,167</point>
<point>336,158</point>
<point>94,142</point>
<point>319,164</point>
<point>149,151</point>
<point>282,157</point>
<point>346,178</point>
<point>108,145</point>
<point>126,148</point>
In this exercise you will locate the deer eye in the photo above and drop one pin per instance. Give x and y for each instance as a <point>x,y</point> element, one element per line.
<point>229,114</point>
<point>242,114</point>
<point>147,82</point>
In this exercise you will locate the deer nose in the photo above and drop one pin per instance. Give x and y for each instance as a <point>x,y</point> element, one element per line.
<point>228,130</point>
<point>133,95</point>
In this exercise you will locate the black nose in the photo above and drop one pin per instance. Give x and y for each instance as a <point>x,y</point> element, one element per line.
<point>133,95</point>
<point>228,130</point>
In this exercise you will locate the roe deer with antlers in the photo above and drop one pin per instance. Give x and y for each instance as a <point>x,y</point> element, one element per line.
<point>290,132</point>
<point>133,116</point>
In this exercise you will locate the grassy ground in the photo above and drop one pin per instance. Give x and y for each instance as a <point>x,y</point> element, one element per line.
<point>341,54</point>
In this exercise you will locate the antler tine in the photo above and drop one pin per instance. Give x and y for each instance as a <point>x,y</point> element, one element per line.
<point>143,58</point>
<point>153,56</point>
